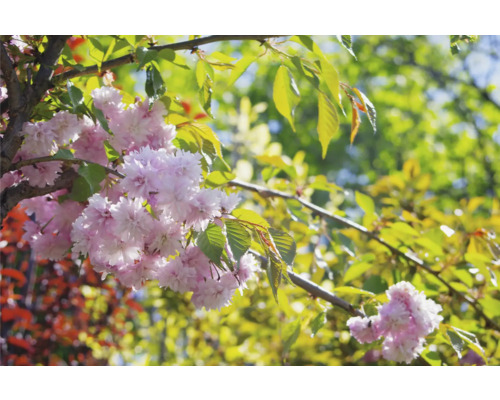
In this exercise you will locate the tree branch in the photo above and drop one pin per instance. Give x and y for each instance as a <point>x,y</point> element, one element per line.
<point>10,77</point>
<point>314,289</point>
<point>32,95</point>
<point>186,45</point>
<point>266,192</point>
<point>11,196</point>
<point>78,161</point>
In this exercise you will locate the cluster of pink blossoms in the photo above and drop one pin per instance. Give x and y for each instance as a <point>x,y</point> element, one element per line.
<point>404,322</point>
<point>136,227</point>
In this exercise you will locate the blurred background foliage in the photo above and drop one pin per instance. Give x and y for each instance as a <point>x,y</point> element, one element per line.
<point>427,181</point>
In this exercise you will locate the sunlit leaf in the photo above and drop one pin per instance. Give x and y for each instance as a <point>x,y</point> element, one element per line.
<point>328,122</point>
<point>286,95</point>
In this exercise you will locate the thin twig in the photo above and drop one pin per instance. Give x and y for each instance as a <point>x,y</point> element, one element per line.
<point>78,161</point>
<point>314,289</point>
<point>130,58</point>
<point>266,192</point>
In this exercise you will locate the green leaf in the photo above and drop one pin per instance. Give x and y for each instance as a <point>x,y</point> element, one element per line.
<point>285,245</point>
<point>286,95</point>
<point>204,70</point>
<point>369,107</point>
<point>218,178</point>
<point>328,122</point>
<point>456,342</point>
<point>357,269</point>
<point>93,174</point>
<point>211,242</point>
<point>405,229</point>
<point>346,42</point>
<point>101,118</point>
<point>432,357</point>
<point>154,83</point>
<point>64,154</point>
<point>352,290</point>
<point>317,323</point>
<point>296,210</point>
<point>239,68</point>
<point>250,216</point>
<point>80,190</point>
<point>238,238</point>
<point>207,133</point>
<point>274,273</point>
<point>205,95</point>
<point>171,56</point>
<point>331,77</point>
<point>75,96</point>
<point>111,152</point>
<point>278,162</point>
<point>365,202</point>
<point>290,335</point>
<point>145,56</point>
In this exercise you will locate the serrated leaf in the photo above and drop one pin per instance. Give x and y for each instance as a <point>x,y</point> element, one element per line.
<point>64,154</point>
<point>205,95</point>
<point>274,273</point>
<point>111,152</point>
<point>357,269</point>
<point>331,77</point>
<point>369,107</point>
<point>154,83</point>
<point>101,118</point>
<point>290,335</point>
<point>296,210</point>
<point>285,245</point>
<point>328,122</point>
<point>352,290</point>
<point>171,56</point>
<point>346,42</point>
<point>239,68</point>
<point>211,242</point>
<point>145,56</point>
<point>365,202</point>
<point>218,178</point>
<point>238,238</point>
<point>317,323</point>
<point>75,96</point>
<point>456,342</point>
<point>80,190</point>
<point>206,133</point>
<point>250,216</point>
<point>286,95</point>
<point>93,174</point>
<point>203,69</point>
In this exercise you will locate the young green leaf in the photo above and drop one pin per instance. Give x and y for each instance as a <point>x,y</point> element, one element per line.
<point>93,174</point>
<point>154,83</point>
<point>238,238</point>
<point>285,245</point>
<point>75,96</point>
<point>274,273</point>
<point>286,95</point>
<point>211,242</point>
<point>145,56</point>
<point>365,202</point>
<point>64,154</point>
<point>205,95</point>
<point>328,122</point>
<point>331,77</point>
<point>317,323</point>
<point>239,68</point>
<point>346,42</point>
<point>250,216</point>
<point>111,152</point>
<point>218,178</point>
<point>290,335</point>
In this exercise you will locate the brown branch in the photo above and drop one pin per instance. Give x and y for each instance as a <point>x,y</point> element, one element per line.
<point>11,81</point>
<point>11,196</point>
<point>31,96</point>
<point>266,192</point>
<point>314,289</point>
<point>186,45</point>
<point>78,161</point>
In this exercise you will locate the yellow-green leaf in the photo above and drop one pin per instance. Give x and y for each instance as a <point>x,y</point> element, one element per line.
<point>286,95</point>
<point>328,122</point>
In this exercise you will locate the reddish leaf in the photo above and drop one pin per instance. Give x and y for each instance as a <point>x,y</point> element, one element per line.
<point>134,305</point>
<point>186,106</point>
<point>14,273</point>
<point>23,343</point>
<point>8,314</point>
<point>74,42</point>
